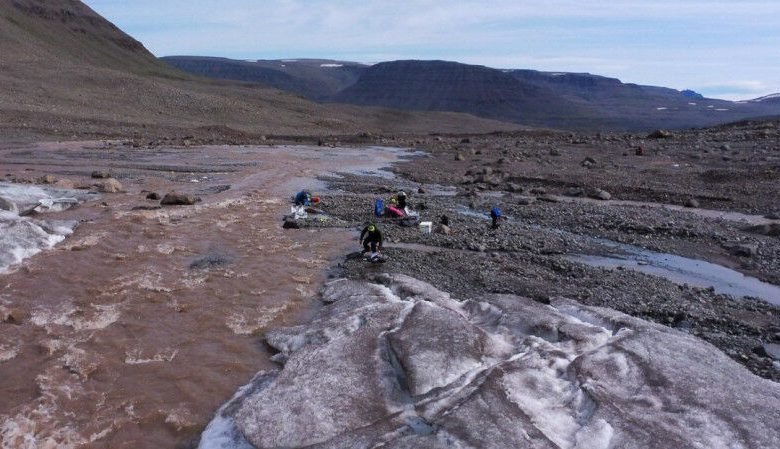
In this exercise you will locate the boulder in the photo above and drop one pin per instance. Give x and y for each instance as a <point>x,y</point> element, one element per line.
<point>8,205</point>
<point>692,202</point>
<point>770,229</point>
<point>153,196</point>
<point>659,134</point>
<point>46,179</point>
<point>13,315</point>
<point>548,198</point>
<point>525,200</point>
<point>110,185</point>
<point>97,174</point>
<point>179,199</point>
<point>600,194</point>
<point>743,249</point>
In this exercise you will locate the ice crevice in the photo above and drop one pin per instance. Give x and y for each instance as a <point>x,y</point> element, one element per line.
<point>396,363</point>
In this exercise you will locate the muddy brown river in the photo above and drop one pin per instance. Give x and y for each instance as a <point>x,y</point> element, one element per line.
<point>136,328</point>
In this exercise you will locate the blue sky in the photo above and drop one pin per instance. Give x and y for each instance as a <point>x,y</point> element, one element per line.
<point>723,49</point>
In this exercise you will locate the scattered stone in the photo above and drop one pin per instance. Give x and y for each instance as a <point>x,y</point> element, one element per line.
<point>743,250</point>
<point>574,191</point>
<point>525,200</point>
<point>65,184</point>
<point>588,162</point>
<point>8,205</point>
<point>771,230</point>
<point>725,147</point>
<point>555,152</point>
<point>12,316</point>
<point>459,157</point>
<point>179,199</point>
<point>110,185</point>
<point>600,194</point>
<point>47,179</point>
<point>692,202</point>
<point>538,191</point>
<point>291,223</point>
<point>640,151</point>
<point>548,198</point>
<point>514,188</point>
<point>659,134</point>
<point>153,196</point>
<point>465,140</point>
<point>97,174</point>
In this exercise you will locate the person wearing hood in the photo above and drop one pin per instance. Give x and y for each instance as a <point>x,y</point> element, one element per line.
<point>371,239</point>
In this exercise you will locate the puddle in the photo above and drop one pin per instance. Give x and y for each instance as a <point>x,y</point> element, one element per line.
<point>682,270</point>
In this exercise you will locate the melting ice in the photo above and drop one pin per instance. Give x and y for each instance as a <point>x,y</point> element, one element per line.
<point>21,236</point>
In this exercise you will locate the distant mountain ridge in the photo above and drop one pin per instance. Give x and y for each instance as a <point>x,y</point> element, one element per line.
<point>317,79</point>
<point>563,100</point>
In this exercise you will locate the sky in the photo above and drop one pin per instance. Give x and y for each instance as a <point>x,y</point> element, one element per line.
<point>722,49</point>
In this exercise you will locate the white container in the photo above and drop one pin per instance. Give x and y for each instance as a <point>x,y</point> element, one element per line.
<point>426,227</point>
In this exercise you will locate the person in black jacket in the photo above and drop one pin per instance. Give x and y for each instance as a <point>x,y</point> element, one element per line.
<point>371,239</point>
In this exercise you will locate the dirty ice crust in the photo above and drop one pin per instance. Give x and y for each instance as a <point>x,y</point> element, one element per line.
<point>395,363</point>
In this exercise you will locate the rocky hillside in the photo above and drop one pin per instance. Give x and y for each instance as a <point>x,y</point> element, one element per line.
<point>317,79</point>
<point>66,71</point>
<point>449,86</point>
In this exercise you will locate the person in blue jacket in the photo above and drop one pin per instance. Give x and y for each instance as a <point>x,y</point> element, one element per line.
<point>495,215</point>
<point>302,198</point>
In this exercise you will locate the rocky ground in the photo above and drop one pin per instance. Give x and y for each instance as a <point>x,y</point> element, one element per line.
<point>538,181</point>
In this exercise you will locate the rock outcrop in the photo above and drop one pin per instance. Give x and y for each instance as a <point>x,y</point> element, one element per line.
<point>396,363</point>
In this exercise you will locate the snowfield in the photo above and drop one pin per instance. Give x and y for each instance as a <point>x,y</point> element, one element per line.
<point>396,363</point>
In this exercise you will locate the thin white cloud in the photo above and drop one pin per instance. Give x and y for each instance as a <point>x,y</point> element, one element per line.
<point>682,43</point>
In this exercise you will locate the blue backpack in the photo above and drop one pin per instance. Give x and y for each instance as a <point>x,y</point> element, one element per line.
<point>495,212</point>
<point>378,207</point>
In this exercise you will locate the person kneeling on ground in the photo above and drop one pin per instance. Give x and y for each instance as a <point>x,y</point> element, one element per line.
<point>392,209</point>
<point>401,196</point>
<point>302,198</point>
<point>444,225</point>
<point>371,239</point>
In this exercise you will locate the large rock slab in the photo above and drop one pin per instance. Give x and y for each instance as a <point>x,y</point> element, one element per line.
<point>396,363</point>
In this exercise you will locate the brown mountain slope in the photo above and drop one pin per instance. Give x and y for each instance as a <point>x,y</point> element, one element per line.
<point>66,71</point>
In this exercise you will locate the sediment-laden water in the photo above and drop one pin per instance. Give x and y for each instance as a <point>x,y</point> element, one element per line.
<point>133,330</point>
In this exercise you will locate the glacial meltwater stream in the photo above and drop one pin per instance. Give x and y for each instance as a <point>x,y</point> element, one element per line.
<point>133,330</point>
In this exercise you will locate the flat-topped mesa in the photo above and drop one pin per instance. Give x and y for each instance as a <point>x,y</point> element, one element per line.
<point>398,363</point>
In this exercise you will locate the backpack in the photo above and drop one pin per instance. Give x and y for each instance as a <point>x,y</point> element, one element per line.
<point>378,207</point>
<point>495,212</point>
